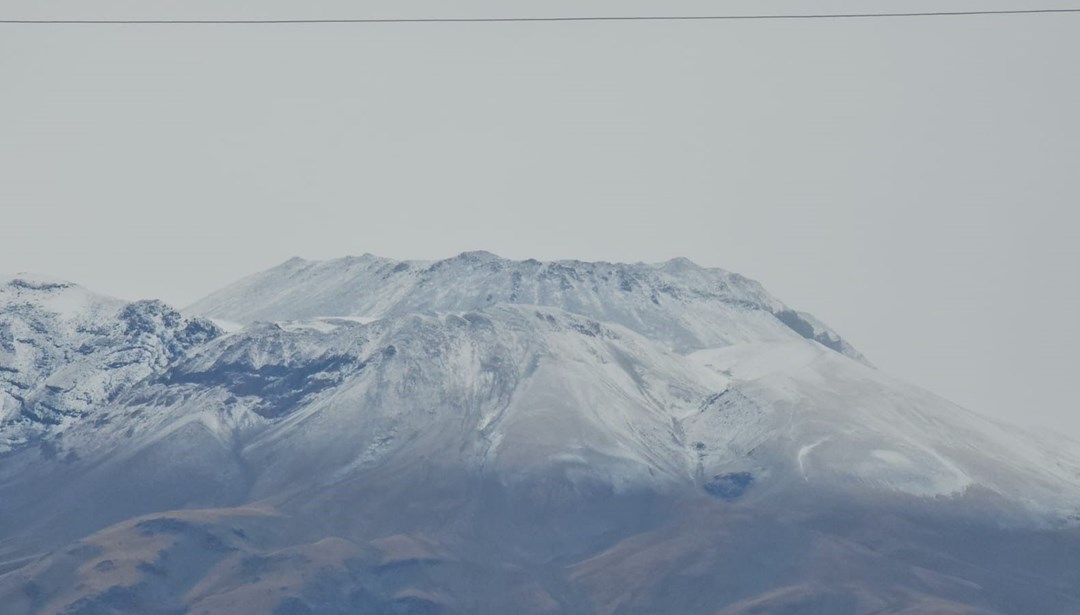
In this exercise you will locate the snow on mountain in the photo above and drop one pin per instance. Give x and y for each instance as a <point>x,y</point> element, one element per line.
<point>525,394</point>
<point>677,302</point>
<point>480,435</point>
<point>824,419</point>
<point>515,390</point>
<point>65,352</point>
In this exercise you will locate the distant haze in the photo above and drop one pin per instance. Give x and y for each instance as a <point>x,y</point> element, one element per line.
<point>913,183</point>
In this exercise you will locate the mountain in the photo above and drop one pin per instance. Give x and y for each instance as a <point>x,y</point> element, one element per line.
<point>678,303</point>
<point>483,435</point>
<point>65,351</point>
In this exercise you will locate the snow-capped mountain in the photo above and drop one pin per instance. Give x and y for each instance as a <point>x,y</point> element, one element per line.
<point>484,435</point>
<point>65,351</point>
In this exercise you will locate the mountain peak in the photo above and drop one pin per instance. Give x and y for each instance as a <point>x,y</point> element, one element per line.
<point>478,255</point>
<point>680,263</point>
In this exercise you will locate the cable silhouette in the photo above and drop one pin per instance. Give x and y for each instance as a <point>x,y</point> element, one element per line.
<point>408,20</point>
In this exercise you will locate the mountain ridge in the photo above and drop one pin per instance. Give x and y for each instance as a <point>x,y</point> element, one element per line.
<point>677,298</point>
<point>65,351</point>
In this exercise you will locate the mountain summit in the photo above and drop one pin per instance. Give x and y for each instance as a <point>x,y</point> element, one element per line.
<point>483,435</point>
<point>678,303</point>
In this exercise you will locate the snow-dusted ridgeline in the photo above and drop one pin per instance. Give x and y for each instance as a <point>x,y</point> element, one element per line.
<point>66,352</point>
<point>677,303</point>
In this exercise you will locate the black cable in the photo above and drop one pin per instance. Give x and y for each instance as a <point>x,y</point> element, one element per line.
<point>537,19</point>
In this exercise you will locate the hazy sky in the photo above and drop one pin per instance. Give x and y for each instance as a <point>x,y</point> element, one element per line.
<point>913,182</point>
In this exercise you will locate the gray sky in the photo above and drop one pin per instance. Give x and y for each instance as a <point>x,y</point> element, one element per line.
<point>911,182</point>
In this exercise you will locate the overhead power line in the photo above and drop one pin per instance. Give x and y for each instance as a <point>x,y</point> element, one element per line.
<point>406,20</point>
